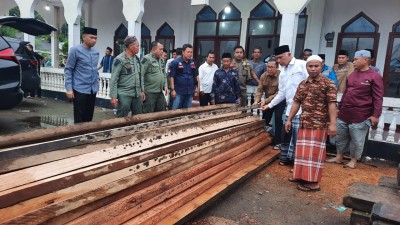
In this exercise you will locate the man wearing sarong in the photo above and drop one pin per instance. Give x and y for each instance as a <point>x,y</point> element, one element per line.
<point>317,97</point>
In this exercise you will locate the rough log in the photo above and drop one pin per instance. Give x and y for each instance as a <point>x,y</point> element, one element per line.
<point>78,129</point>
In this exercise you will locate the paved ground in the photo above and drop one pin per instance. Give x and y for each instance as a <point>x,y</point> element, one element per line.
<point>38,113</point>
<point>266,198</point>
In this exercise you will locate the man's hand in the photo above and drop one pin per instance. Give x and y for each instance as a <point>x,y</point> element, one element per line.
<point>70,95</point>
<point>256,103</point>
<point>143,96</point>
<point>166,91</point>
<point>202,93</point>
<point>173,93</point>
<point>114,102</point>
<point>374,120</point>
<point>264,107</point>
<point>238,101</point>
<point>332,129</point>
<point>288,125</point>
<point>262,102</point>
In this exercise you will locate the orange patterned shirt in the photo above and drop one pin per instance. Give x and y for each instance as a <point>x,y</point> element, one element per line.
<point>314,94</point>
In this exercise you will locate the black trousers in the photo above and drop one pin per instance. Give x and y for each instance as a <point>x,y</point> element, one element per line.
<point>83,107</point>
<point>267,115</point>
<point>205,99</point>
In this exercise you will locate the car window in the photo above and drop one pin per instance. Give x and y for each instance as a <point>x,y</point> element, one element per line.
<point>14,46</point>
<point>3,44</point>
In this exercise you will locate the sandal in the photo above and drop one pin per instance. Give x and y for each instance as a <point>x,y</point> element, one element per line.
<point>286,163</point>
<point>291,179</point>
<point>307,189</point>
<point>350,166</point>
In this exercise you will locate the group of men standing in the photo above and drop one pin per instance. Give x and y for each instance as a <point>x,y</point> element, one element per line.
<point>312,113</point>
<point>301,95</point>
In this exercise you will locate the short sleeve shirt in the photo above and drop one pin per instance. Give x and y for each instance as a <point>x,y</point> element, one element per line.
<point>314,94</point>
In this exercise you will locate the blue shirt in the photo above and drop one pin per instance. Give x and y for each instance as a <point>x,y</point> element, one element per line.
<point>225,88</point>
<point>106,63</point>
<point>81,70</point>
<point>259,68</point>
<point>329,73</point>
<point>184,74</point>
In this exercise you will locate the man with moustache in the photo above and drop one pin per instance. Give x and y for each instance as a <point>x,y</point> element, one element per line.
<point>126,87</point>
<point>359,109</point>
<point>343,69</point>
<point>244,72</point>
<point>206,78</point>
<point>81,76</point>
<point>155,80</point>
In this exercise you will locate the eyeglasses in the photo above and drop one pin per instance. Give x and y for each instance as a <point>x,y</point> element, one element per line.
<point>271,67</point>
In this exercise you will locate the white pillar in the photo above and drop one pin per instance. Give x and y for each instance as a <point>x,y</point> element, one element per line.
<point>290,10</point>
<point>72,14</point>
<point>133,15</point>
<point>26,9</point>
<point>54,37</point>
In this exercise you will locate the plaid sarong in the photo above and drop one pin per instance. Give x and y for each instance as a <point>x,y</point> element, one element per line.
<point>288,144</point>
<point>310,154</point>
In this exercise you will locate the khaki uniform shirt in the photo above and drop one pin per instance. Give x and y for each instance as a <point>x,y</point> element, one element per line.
<point>342,72</point>
<point>268,85</point>
<point>154,76</point>
<point>243,69</point>
<point>126,78</point>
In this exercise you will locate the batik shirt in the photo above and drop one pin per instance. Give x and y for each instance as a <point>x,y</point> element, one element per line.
<point>225,88</point>
<point>314,94</point>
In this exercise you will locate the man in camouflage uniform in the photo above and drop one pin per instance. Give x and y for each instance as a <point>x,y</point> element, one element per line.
<point>244,72</point>
<point>155,80</point>
<point>126,86</point>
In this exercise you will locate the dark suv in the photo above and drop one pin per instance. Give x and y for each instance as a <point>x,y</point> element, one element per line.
<point>16,66</point>
<point>29,65</point>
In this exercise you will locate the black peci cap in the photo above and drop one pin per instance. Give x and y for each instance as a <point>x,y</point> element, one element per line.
<point>281,49</point>
<point>89,30</point>
<point>226,55</point>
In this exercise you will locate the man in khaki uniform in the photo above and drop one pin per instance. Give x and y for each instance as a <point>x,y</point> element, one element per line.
<point>244,72</point>
<point>343,69</point>
<point>155,80</point>
<point>126,87</point>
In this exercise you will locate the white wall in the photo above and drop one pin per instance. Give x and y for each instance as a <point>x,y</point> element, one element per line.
<point>338,12</point>
<point>106,18</point>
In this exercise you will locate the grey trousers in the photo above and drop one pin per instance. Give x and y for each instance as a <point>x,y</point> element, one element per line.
<point>155,102</point>
<point>351,137</point>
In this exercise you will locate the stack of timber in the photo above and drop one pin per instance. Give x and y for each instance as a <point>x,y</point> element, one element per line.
<point>375,204</point>
<point>151,169</point>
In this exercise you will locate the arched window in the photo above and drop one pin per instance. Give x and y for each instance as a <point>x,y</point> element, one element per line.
<point>361,32</point>
<point>145,39</point>
<point>265,26</point>
<point>391,75</point>
<point>216,33</point>
<point>166,36</point>
<point>119,35</point>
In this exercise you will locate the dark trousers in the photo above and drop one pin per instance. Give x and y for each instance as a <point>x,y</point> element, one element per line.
<point>205,99</point>
<point>83,107</point>
<point>278,125</point>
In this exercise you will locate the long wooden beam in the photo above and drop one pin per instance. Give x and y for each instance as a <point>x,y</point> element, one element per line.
<point>30,155</point>
<point>175,166</point>
<point>155,214</point>
<point>42,214</point>
<point>133,144</point>
<point>138,202</point>
<point>51,184</point>
<point>213,194</point>
<point>78,129</point>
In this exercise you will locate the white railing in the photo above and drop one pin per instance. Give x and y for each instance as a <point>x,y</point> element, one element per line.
<point>52,79</point>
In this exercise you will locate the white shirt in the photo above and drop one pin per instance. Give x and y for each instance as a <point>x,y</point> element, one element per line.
<point>289,79</point>
<point>167,65</point>
<point>206,76</point>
